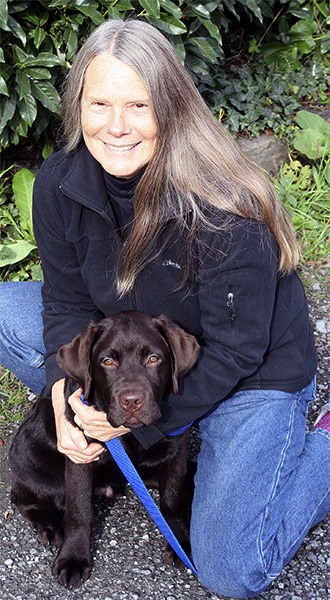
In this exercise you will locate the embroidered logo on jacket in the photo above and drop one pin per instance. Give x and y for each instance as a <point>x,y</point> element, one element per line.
<point>169,263</point>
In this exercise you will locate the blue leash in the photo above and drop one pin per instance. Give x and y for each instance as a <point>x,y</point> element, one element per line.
<point>126,466</point>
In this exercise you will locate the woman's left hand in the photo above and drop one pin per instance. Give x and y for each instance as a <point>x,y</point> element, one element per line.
<point>93,422</point>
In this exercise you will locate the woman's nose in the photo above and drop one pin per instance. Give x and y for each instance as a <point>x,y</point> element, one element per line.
<point>117,123</point>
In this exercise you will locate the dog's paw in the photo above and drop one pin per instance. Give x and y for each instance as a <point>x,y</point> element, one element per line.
<point>50,534</point>
<point>71,573</point>
<point>171,558</point>
<point>105,491</point>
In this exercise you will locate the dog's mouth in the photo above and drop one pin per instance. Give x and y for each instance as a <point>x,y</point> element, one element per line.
<point>135,420</point>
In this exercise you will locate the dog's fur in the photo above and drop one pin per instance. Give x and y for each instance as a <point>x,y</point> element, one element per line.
<point>125,364</point>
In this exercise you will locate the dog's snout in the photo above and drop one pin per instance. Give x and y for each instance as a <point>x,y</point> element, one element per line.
<point>131,401</point>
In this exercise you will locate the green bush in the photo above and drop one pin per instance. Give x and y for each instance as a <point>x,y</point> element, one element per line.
<point>257,97</point>
<point>18,250</point>
<point>304,188</point>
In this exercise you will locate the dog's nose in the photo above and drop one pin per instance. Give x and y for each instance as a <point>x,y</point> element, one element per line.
<point>131,401</point>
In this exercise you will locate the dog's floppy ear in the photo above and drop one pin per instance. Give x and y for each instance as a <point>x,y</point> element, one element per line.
<point>74,358</point>
<point>183,346</point>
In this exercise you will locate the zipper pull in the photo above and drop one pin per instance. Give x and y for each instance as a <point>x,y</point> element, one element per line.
<point>231,306</point>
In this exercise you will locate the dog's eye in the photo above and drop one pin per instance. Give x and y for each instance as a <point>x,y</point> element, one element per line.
<point>109,362</point>
<point>153,359</point>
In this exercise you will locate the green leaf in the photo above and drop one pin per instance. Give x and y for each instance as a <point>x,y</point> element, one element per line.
<point>3,87</point>
<point>179,46</point>
<point>92,13</point>
<point>18,125</point>
<point>254,8</point>
<point>19,55</point>
<point>7,110</point>
<point>48,148</point>
<point>46,94</point>
<point>171,8</point>
<point>23,182</point>
<point>4,15</point>
<point>212,29</point>
<point>23,83</point>
<point>305,27</point>
<point>15,252</point>
<point>197,65</point>
<point>28,109</point>
<point>38,73</point>
<point>152,7</point>
<point>312,144</point>
<point>39,35</point>
<point>44,59</point>
<point>309,120</point>
<point>205,47</point>
<point>17,30</point>
<point>169,25</point>
<point>200,11</point>
<point>38,20</point>
<point>71,40</point>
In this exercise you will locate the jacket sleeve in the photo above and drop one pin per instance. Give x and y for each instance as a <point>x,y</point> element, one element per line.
<point>67,303</point>
<point>236,293</point>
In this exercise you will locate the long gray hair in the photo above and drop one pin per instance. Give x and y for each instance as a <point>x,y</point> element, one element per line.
<point>195,157</point>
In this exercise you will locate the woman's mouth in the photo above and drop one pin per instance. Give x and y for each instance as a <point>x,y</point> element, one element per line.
<point>120,149</point>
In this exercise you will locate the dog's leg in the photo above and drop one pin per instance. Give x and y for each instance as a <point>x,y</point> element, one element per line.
<point>73,564</point>
<point>37,473</point>
<point>43,514</point>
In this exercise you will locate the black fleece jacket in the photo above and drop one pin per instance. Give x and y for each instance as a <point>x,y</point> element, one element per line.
<point>251,321</point>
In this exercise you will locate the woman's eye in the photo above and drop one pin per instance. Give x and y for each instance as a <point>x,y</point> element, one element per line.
<point>153,359</point>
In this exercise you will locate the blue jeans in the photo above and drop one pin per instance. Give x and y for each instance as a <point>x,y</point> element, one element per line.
<point>262,481</point>
<point>21,344</point>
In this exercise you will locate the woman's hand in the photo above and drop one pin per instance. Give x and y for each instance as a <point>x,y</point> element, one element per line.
<point>93,422</point>
<point>71,441</point>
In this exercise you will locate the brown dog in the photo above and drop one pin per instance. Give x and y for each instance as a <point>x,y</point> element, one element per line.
<point>125,364</point>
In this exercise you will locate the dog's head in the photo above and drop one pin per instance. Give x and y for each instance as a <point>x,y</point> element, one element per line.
<point>127,362</point>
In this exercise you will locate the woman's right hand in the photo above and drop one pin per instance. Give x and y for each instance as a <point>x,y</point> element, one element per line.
<point>70,439</point>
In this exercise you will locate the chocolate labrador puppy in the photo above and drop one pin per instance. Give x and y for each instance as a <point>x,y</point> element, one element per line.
<point>126,364</point>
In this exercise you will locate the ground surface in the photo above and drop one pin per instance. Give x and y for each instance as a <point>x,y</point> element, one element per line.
<point>128,550</point>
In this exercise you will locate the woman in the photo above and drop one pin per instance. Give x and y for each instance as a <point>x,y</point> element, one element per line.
<point>151,205</point>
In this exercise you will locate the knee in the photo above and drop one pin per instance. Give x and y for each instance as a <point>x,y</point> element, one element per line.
<point>231,574</point>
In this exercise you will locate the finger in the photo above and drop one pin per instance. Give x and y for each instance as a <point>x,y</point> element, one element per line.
<point>92,454</point>
<point>78,422</point>
<point>78,438</point>
<point>75,401</point>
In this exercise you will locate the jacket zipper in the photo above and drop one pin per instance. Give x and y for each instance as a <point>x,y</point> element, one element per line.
<point>231,306</point>
<point>105,216</point>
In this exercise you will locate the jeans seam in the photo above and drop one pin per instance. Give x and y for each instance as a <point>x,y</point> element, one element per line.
<point>275,486</point>
<point>319,431</point>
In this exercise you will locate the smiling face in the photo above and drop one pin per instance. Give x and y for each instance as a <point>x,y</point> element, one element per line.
<point>118,125</point>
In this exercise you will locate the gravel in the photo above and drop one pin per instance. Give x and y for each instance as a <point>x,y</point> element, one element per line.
<point>127,547</point>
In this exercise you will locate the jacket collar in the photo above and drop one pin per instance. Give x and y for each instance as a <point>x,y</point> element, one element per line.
<point>84,180</point>
<point>84,183</point>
